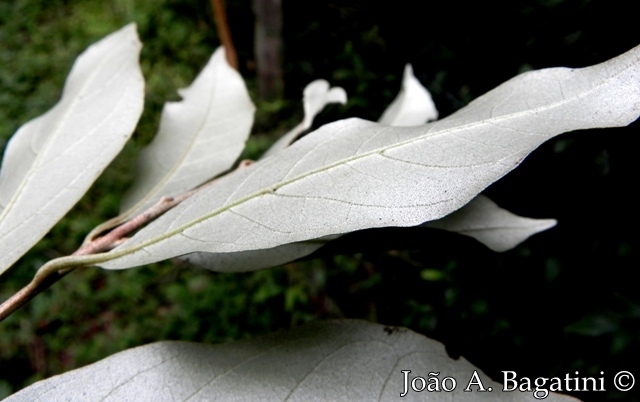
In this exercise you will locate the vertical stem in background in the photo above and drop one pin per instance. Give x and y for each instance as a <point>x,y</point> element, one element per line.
<point>268,47</point>
<point>222,27</point>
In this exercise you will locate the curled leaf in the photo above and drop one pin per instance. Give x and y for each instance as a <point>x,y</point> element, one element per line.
<point>316,96</point>
<point>413,106</point>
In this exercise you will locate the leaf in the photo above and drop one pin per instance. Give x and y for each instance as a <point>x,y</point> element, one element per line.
<point>496,228</point>
<point>481,218</point>
<point>316,96</point>
<point>354,174</point>
<point>413,105</point>
<point>344,360</point>
<point>52,160</point>
<point>199,137</point>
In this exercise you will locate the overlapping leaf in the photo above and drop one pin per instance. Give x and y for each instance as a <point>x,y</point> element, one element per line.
<point>329,361</point>
<point>52,160</point>
<point>354,174</point>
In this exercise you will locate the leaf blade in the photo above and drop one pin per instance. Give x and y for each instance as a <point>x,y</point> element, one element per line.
<point>199,137</point>
<point>52,160</point>
<point>353,174</point>
<point>342,360</point>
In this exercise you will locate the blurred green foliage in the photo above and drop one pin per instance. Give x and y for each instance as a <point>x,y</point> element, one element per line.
<point>565,300</point>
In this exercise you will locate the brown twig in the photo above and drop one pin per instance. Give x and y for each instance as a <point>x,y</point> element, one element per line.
<point>28,292</point>
<point>56,269</point>
<point>224,33</point>
<point>51,272</point>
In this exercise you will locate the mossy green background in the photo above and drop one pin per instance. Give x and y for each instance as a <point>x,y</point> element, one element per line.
<point>564,301</point>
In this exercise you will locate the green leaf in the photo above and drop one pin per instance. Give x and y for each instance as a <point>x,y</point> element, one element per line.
<point>53,160</point>
<point>355,174</point>
<point>343,360</point>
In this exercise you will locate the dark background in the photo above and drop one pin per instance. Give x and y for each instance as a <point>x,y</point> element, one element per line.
<point>566,300</point>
